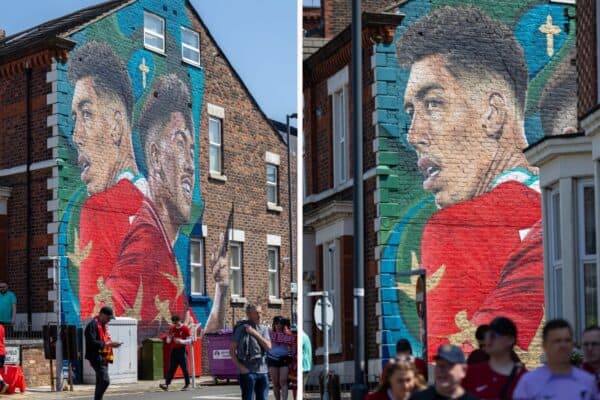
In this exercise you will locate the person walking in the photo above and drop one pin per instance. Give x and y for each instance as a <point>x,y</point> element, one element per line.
<point>558,379</point>
<point>8,308</point>
<point>400,380</point>
<point>278,360</point>
<point>306,356</point>
<point>450,370</point>
<point>590,343</point>
<point>497,377</point>
<point>99,348</point>
<point>178,338</point>
<point>248,348</point>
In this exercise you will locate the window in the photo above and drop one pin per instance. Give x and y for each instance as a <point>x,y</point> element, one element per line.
<point>331,283</point>
<point>586,232</point>
<point>235,268</point>
<point>197,266</point>
<point>556,253</point>
<point>340,136</point>
<point>272,184</point>
<point>190,46</point>
<point>154,32</point>
<point>216,144</point>
<point>273,268</point>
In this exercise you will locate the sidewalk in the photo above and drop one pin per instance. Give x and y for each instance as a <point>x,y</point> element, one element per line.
<point>84,390</point>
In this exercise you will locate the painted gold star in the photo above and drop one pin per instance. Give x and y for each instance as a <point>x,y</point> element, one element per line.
<point>104,296</point>
<point>410,288</point>
<point>466,328</point>
<point>78,256</point>
<point>531,356</point>
<point>177,281</point>
<point>136,311</point>
<point>163,309</point>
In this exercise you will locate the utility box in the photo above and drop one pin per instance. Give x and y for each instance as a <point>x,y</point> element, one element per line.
<point>152,359</point>
<point>124,369</point>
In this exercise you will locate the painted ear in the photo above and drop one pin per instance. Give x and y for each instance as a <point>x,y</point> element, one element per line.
<point>116,128</point>
<point>155,167</point>
<point>495,116</point>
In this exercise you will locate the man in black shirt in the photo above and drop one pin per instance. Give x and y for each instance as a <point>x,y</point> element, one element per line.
<point>450,370</point>
<point>98,349</point>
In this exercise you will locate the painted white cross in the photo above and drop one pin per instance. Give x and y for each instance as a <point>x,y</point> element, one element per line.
<point>549,30</point>
<point>144,68</point>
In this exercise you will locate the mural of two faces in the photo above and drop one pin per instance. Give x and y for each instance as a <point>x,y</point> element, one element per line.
<point>477,82</point>
<point>130,193</point>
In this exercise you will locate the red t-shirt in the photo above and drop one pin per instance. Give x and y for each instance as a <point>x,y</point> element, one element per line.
<point>596,372</point>
<point>183,332</point>
<point>2,347</point>
<point>485,383</point>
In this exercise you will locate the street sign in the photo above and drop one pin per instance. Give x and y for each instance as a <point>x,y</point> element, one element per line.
<point>318,314</point>
<point>420,296</point>
<point>13,355</point>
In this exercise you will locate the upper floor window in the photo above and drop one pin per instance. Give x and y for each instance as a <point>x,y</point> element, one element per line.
<point>216,144</point>
<point>197,265</point>
<point>272,183</point>
<point>235,268</point>
<point>341,150</point>
<point>556,276</point>
<point>586,238</point>
<point>154,32</point>
<point>190,46</point>
<point>273,270</point>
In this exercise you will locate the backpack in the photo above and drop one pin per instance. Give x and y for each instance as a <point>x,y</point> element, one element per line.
<point>249,349</point>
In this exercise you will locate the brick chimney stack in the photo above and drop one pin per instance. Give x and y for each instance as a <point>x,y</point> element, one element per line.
<point>2,33</point>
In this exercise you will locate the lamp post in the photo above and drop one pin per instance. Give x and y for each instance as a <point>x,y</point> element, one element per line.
<point>59,351</point>
<point>290,230</point>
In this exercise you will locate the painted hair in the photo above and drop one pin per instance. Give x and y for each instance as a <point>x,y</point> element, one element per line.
<point>98,61</point>
<point>471,42</point>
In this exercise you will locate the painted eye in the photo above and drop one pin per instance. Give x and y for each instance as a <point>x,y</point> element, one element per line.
<point>410,110</point>
<point>86,114</point>
<point>433,104</point>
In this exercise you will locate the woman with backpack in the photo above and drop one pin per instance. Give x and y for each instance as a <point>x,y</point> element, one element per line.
<point>278,358</point>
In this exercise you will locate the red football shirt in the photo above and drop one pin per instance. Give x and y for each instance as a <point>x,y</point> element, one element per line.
<point>2,347</point>
<point>485,383</point>
<point>183,332</point>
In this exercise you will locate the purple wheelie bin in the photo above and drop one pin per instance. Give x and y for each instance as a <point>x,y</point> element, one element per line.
<point>220,365</point>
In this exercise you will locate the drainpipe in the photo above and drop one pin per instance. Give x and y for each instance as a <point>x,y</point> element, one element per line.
<point>29,241</point>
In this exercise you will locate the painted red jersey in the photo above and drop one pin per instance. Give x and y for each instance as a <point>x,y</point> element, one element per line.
<point>103,224</point>
<point>483,259</point>
<point>486,384</point>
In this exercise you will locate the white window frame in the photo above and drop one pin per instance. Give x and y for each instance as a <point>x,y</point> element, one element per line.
<point>341,148</point>
<point>200,265</point>
<point>584,257</point>
<point>555,253</point>
<point>598,51</point>
<point>155,34</point>
<point>239,267</point>
<point>273,271</point>
<point>332,284</point>
<point>274,185</point>
<point>218,145</point>
<point>187,46</point>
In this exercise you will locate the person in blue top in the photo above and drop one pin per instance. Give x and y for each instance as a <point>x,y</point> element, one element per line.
<point>8,307</point>
<point>557,379</point>
<point>306,355</point>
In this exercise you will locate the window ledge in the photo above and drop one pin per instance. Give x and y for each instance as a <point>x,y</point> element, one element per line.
<point>333,349</point>
<point>238,300</point>
<point>190,62</point>
<point>199,298</point>
<point>275,301</point>
<point>217,176</point>
<point>274,207</point>
<point>155,50</point>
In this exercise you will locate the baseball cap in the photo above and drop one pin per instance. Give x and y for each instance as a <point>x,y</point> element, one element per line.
<point>503,326</point>
<point>452,354</point>
<point>108,311</point>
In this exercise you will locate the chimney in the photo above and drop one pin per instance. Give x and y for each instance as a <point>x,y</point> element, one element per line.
<point>2,33</point>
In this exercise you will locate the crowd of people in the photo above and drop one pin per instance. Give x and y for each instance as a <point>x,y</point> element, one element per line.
<point>494,371</point>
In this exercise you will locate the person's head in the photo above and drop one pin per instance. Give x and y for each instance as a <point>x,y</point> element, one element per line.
<point>277,325</point>
<point>176,319</point>
<point>253,312</point>
<point>403,348</point>
<point>450,369</point>
<point>590,342</point>
<point>167,136</point>
<point>101,110</point>
<point>480,334</point>
<point>465,97</point>
<point>106,314</point>
<point>500,337</point>
<point>557,342</point>
<point>401,378</point>
<point>3,287</point>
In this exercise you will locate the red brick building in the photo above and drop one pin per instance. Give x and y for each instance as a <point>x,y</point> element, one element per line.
<point>229,186</point>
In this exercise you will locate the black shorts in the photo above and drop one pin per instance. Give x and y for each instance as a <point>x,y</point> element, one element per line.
<point>278,363</point>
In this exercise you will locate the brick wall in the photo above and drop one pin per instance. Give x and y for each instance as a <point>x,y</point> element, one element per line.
<point>337,14</point>
<point>587,64</point>
<point>35,366</point>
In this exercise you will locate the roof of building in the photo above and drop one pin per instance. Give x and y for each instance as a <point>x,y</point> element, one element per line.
<point>555,137</point>
<point>44,31</point>
<point>311,44</point>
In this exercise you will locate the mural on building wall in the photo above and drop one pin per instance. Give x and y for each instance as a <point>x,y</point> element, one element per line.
<point>476,82</point>
<point>130,187</point>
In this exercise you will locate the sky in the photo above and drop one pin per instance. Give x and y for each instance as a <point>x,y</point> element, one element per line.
<point>258,37</point>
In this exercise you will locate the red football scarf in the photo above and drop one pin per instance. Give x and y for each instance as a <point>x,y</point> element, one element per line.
<point>106,352</point>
